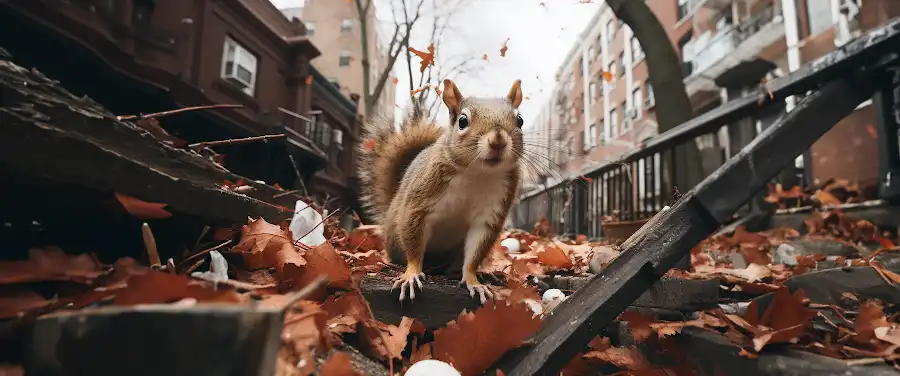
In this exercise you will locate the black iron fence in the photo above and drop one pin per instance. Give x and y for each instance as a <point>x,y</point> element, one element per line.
<point>643,181</point>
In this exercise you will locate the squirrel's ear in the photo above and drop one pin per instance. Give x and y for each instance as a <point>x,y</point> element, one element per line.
<point>452,98</point>
<point>515,94</point>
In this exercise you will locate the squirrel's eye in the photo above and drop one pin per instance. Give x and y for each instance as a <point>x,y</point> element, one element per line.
<point>463,121</point>
<point>519,121</point>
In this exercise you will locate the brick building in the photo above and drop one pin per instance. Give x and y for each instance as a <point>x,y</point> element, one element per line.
<point>145,56</point>
<point>727,47</point>
<point>334,28</point>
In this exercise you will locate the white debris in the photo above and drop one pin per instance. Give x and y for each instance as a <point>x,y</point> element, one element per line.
<point>307,220</point>
<point>431,367</point>
<point>512,245</point>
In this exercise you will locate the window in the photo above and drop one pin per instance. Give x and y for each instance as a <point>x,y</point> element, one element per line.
<point>239,66</point>
<point>590,52</point>
<point>602,133</point>
<point>571,147</point>
<point>346,25</point>
<point>592,135</point>
<point>818,14</point>
<point>611,68</point>
<point>599,44</point>
<point>626,122</point>
<point>637,99</point>
<point>610,31</point>
<point>622,68</point>
<point>649,89</point>
<point>344,59</point>
<point>310,29</point>
<point>636,52</point>
<point>592,92</point>
<point>683,9</point>
<point>613,124</point>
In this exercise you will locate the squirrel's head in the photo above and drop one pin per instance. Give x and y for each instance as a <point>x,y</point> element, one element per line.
<point>484,131</point>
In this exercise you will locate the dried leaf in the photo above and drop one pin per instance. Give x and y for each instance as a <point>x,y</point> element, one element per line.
<point>623,357</point>
<point>155,287</point>
<point>50,264</point>
<point>141,209</point>
<point>366,238</point>
<point>784,320</point>
<point>554,256</point>
<point>870,317</point>
<point>639,324</point>
<point>475,340</point>
<point>504,48</point>
<point>16,299</point>
<point>427,57</point>
<point>338,364</point>
<point>304,331</point>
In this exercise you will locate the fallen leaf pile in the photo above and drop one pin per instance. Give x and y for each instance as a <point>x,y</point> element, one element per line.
<point>830,193</point>
<point>266,266</point>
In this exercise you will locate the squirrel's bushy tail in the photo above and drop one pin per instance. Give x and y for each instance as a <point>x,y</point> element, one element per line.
<point>385,153</point>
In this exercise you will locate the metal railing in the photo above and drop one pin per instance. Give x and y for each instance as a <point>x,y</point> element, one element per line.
<point>646,179</point>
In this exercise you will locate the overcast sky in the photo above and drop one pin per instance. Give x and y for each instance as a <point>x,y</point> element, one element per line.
<point>540,32</point>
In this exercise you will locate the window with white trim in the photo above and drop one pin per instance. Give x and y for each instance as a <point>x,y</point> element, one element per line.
<point>346,25</point>
<point>239,66</point>
<point>344,58</point>
<point>613,124</point>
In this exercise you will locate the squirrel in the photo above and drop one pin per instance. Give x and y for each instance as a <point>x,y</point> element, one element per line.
<point>435,190</point>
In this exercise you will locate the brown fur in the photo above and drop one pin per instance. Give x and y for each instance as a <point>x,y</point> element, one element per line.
<point>407,174</point>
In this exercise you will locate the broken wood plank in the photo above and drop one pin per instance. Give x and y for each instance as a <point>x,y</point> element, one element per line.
<point>49,133</point>
<point>159,339</point>
<point>670,235</point>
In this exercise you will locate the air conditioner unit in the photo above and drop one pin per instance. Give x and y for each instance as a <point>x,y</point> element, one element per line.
<point>626,124</point>
<point>649,102</point>
<point>631,113</point>
<point>238,74</point>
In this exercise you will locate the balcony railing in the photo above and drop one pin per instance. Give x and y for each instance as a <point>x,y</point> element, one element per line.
<point>315,136</point>
<point>717,52</point>
<point>647,179</point>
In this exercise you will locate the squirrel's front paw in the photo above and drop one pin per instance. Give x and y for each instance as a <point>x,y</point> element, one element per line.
<point>408,281</point>
<point>483,291</point>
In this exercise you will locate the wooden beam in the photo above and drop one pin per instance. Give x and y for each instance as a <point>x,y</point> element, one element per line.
<point>670,235</point>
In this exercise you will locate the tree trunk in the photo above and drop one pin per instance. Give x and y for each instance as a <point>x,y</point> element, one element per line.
<point>362,11</point>
<point>665,74</point>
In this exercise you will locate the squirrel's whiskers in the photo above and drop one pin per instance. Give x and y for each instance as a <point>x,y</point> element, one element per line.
<point>438,190</point>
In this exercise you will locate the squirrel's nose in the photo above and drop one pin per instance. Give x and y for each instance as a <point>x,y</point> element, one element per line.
<point>497,144</point>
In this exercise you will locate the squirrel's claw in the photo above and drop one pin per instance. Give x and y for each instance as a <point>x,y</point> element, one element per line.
<point>408,281</point>
<point>483,291</point>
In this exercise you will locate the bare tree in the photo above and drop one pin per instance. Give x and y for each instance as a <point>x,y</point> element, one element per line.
<point>398,43</point>
<point>445,66</point>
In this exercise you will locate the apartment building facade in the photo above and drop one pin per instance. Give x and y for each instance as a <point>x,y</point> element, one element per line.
<point>335,28</point>
<point>146,56</point>
<point>727,48</point>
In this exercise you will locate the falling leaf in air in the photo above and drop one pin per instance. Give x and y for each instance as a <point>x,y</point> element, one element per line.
<point>369,144</point>
<point>427,57</point>
<point>50,264</point>
<point>484,57</point>
<point>339,364</point>
<point>142,209</point>
<point>309,80</point>
<point>476,340</point>
<point>504,48</point>
<point>396,80</point>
